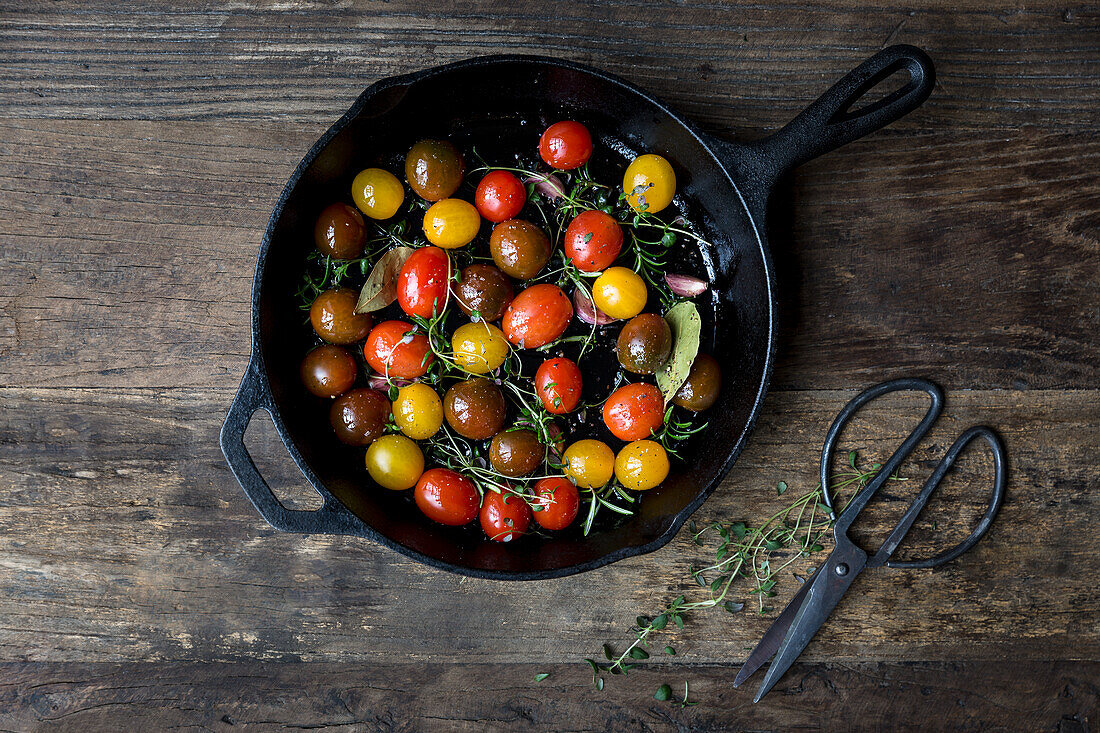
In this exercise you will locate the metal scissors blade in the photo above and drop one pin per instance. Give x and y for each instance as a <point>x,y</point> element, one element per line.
<point>773,637</point>
<point>822,593</point>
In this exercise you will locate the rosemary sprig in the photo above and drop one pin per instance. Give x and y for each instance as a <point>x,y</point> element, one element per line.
<point>758,554</point>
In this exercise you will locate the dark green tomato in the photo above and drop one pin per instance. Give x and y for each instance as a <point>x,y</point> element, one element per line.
<point>644,343</point>
<point>359,416</point>
<point>334,318</point>
<point>434,169</point>
<point>519,248</point>
<point>703,383</point>
<point>485,290</point>
<point>475,408</point>
<point>340,232</point>
<point>516,452</point>
<point>328,371</point>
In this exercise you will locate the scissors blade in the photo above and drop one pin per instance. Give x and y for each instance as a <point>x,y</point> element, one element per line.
<point>830,583</point>
<point>773,636</point>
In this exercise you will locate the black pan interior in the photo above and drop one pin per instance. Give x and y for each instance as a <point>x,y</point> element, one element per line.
<point>503,103</point>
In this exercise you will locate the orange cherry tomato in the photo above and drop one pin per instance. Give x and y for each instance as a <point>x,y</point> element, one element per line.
<point>500,196</point>
<point>566,145</point>
<point>593,240</point>
<point>634,411</point>
<point>558,383</point>
<point>559,500</point>
<point>537,316</point>
<point>504,516</point>
<point>393,350</point>
<point>423,284</point>
<point>447,497</point>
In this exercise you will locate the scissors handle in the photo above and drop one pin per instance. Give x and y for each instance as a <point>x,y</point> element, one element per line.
<point>980,431</point>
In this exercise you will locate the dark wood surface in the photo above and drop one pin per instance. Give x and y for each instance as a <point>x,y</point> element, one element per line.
<point>142,149</point>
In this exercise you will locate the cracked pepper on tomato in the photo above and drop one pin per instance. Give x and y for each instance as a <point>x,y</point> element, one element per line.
<point>446,349</point>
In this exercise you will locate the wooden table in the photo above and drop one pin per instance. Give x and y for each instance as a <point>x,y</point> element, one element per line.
<point>143,148</point>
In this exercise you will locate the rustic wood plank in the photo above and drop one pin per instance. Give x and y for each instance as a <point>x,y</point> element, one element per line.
<point>747,67</point>
<point>483,697</point>
<point>123,537</point>
<point>971,260</point>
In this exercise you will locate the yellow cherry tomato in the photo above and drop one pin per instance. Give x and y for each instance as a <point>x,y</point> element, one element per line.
<point>589,463</point>
<point>649,182</point>
<point>479,347</point>
<point>418,411</point>
<point>395,462</point>
<point>620,292</point>
<point>377,193</point>
<point>451,223</point>
<point>641,465</point>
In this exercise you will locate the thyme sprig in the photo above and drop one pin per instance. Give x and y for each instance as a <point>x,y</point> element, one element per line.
<point>758,554</point>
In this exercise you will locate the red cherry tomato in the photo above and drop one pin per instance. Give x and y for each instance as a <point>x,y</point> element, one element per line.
<point>500,196</point>
<point>634,411</point>
<point>504,516</point>
<point>566,145</point>
<point>560,501</point>
<point>391,350</point>
<point>537,316</point>
<point>447,497</point>
<point>593,240</point>
<point>423,282</point>
<point>558,383</point>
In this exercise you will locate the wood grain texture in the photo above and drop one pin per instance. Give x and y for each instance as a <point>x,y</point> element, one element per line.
<point>123,537</point>
<point>730,65</point>
<point>422,697</point>
<point>129,249</point>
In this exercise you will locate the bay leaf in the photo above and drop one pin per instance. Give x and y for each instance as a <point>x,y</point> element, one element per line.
<point>380,289</point>
<point>686,326</point>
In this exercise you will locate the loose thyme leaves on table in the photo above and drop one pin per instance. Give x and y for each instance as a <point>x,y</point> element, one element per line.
<point>757,554</point>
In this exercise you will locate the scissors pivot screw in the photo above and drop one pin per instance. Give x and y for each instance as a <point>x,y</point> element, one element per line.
<point>841,569</point>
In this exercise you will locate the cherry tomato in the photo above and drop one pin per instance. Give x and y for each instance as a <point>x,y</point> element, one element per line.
<point>500,196</point>
<point>593,240</point>
<point>566,145</point>
<point>537,316</point>
<point>516,452</point>
<point>434,169</point>
<point>558,383</point>
<point>559,500</point>
<point>483,292</point>
<point>359,416</point>
<point>504,516</point>
<point>423,284</point>
<point>479,347</point>
<point>649,183</point>
<point>519,248</point>
<point>620,293</point>
<point>447,497</point>
<point>340,232</point>
<point>634,411</point>
<point>589,463</point>
<point>641,465</point>
<point>475,408</point>
<point>644,344</point>
<point>451,223</point>
<point>377,193</point>
<point>328,371</point>
<point>701,388</point>
<point>395,462</point>
<point>334,318</point>
<point>393,350</point>
<point>418,411</point>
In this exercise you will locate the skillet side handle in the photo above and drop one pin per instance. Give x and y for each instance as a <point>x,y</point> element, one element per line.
<point>830,122</point>
<point>251,396</point>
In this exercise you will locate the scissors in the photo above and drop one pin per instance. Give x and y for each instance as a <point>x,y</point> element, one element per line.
<point>813,603</point>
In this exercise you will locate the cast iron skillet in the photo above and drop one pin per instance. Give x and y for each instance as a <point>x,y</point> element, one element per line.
<point>725,188</point>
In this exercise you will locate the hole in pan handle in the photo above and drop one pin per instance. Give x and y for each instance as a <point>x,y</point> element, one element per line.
<point>251,396</point>
<point>830,122</point>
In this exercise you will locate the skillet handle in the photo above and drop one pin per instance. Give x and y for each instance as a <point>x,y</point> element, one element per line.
<point>829,122</point>
<point>251,396</point>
